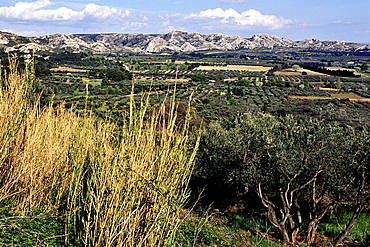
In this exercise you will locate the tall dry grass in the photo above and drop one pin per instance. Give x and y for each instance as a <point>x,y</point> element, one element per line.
<point>113,190</point>
<point>15,89</point>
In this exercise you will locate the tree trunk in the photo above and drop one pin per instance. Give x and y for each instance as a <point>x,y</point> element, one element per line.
<point>311,231</point>
<point>279,225</point>
<point>349,226</point>
<point>284,232</point>
<point>271,214</point>
<point>295,230</point>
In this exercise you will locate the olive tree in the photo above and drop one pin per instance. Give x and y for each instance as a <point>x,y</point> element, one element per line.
<point>300,172</point>
<point>299,169</point>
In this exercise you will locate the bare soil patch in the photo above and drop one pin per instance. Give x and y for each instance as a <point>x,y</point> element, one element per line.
<point>177,80</point>
<point>69,69</point>
<point>329,89</point>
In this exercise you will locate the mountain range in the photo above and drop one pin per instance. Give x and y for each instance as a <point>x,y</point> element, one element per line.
<point>175,41</point>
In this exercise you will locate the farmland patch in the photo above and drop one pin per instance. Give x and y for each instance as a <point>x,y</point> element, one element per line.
<point>69,69</point>
<point>350,96</point>
<point>298,72</point>
<point>235,67</point>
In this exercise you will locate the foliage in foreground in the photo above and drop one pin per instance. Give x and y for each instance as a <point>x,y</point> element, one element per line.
<point>299,170</point>
<point>101,188</point>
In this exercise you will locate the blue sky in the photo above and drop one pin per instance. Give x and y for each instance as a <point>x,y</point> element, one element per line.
<point>291,19</point>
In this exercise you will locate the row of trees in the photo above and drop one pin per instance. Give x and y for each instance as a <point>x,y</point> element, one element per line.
<point>300,170</point>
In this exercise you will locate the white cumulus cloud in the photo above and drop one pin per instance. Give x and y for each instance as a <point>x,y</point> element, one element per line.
<point>37,11</point>
<point>251,18</point>
<point>103,12</point>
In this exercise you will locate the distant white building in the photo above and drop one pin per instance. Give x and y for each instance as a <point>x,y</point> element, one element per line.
<point>229,80</point>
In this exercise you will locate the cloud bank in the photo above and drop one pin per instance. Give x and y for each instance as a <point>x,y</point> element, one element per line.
<point>40,11</point>
<point>42,14</point>
<point>36,11</point>
<point>249,18</point>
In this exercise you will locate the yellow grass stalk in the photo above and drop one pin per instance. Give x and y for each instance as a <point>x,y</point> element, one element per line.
<point>131,191</point>
<point>114,190</point>
<point>14,99</point>
<point>40,158</point>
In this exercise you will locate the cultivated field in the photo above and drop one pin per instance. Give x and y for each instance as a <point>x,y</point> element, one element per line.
<point>68,69</point>
<point>177,80</point>
<point>298,72</point>
<point>329,89</point>
<point>235,67</point>
<point>351,96</point>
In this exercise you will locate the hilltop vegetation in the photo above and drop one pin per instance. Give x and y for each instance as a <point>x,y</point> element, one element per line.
<point>282,157</point>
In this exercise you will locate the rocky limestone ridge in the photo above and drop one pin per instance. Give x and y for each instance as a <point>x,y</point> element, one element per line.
<point>175,41</point>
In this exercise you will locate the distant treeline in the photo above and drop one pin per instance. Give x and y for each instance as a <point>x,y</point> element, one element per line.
<point>317,67</point>
<point>339,72</point>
